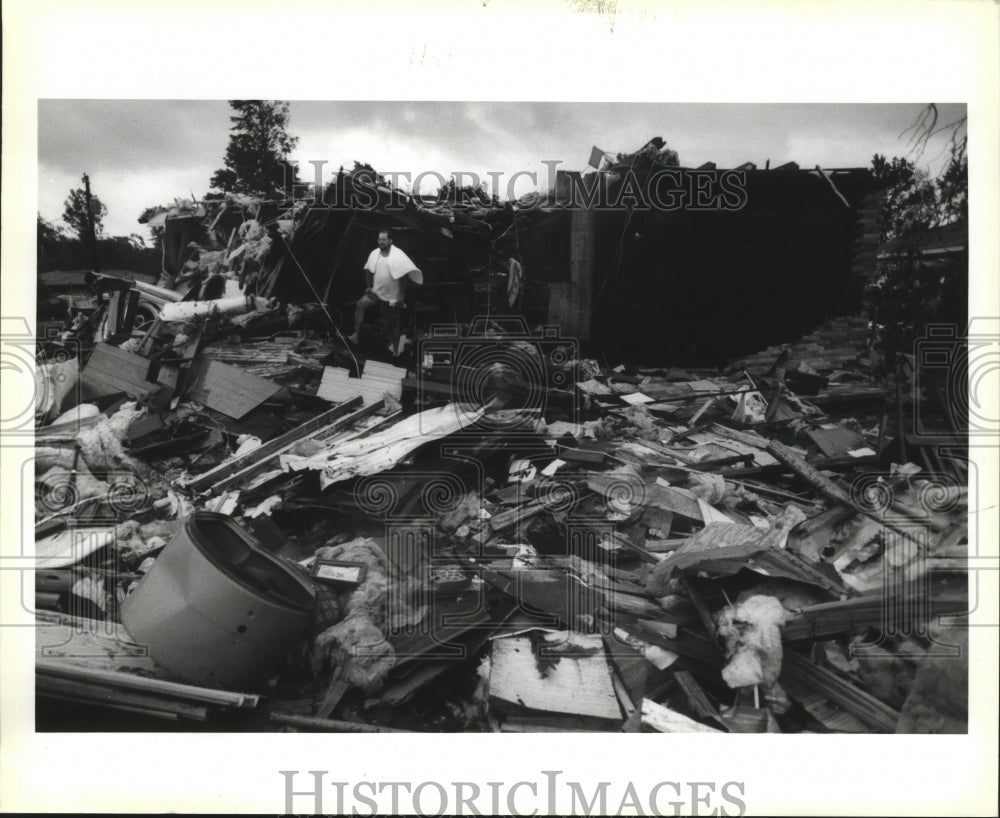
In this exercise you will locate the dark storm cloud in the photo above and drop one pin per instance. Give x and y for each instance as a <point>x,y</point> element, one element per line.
<point>146,152</point>
<point>76,135</point>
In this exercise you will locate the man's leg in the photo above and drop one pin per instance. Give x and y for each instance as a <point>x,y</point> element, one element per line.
<point>394,330</point>
<point>363,305</point>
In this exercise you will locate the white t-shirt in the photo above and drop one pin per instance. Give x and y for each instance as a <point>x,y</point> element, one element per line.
<point>384,285</point>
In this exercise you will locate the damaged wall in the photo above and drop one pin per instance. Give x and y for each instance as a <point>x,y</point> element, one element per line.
<point>707,285</point>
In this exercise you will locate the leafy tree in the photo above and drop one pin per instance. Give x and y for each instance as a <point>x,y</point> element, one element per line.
<point>75,214</point>
<point>910,206</point>
<point>256,160</point>
<point>50,236</point>
<point>57,250</point>
<point>912,290</point>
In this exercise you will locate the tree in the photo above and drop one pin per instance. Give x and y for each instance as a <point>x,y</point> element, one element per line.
<point>913,290</point>
<point>49,234</point>
<point>256,160</point>
<point>75,214</point>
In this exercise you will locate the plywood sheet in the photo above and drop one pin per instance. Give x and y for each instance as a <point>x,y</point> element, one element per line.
<point>111,370</point>
<point>337,385</point>
<point>71,545</point>
<point>228,389</point>
<point>836,442</point>
<point>377,379</point>
<point>577,682</point>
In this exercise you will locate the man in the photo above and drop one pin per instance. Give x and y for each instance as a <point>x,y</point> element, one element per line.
<point>386,272</point>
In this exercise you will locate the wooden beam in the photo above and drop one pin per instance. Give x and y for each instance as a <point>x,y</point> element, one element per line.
<point>696,698</point>
<point>104,696</point>
<point>857,614</point>
<point>330,725</point>
<point>222,475</point>
<point>841,692</point>
<point>831,491</point>
<point>110,678</point>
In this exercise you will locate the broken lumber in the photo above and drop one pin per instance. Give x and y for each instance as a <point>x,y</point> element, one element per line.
<point>120,679</point>
<point>275,446</point>
<point>663,720</point>
<point>831,491</point>
<point>330,725</point>
<point>856,614</point>
<point>696,698</point>
<point>102,696</point>
<point>238,468</point>
<point>841,692</point>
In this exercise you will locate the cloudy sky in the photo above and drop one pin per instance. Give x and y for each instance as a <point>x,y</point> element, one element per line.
<point>146,152</point>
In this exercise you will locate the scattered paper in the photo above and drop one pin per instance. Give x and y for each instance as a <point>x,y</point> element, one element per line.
<point>553,467</point>
<point>637,398</point>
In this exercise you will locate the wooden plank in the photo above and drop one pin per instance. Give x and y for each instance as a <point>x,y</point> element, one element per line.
<point>505,519</point>
<point>857,614</point>
<point>142,711</point>
<point>575,679</point>
<point>623,698</point>
<point>71,545</point>
<point>831,491</point>
<point>379,379</point>
<point>690,587</point>
<point>228,389</point>
<point>664,720</point>
<point>836,442</point>
<point>97,694</point>
<point>90,643</point>
<point>687,643</point>
<point>841,692</point>
<point>273,447</point>
<point>696,698</point>
<point>717,543</point>
<point>330,725</point>
<point>673,500</point>
<point>825,712</point>
<point>162,687</point>
<point>111,370</point>
<point>142,426</point>
<point>400,692</point>
<point>632,669</point>
<point>373,385</point>
<point>338,385</point>
<point>337,433</point>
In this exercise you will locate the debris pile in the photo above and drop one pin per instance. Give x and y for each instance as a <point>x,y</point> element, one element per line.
<point>266,530</point>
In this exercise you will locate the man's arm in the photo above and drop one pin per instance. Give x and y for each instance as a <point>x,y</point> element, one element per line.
<point>369,282</point>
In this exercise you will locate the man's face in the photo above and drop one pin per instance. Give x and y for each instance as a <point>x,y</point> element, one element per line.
<point>384,241</point>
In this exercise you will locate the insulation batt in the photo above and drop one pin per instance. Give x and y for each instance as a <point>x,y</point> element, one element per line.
<point>357,644</point>
<point>752,633</point>
<point>101,444</point>
<point>77,413</point>
<point>709,487</point>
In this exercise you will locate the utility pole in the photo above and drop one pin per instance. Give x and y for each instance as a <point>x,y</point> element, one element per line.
<point>90,223</point>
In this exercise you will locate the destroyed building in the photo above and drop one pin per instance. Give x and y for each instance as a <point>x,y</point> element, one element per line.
<point>558,510</point>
